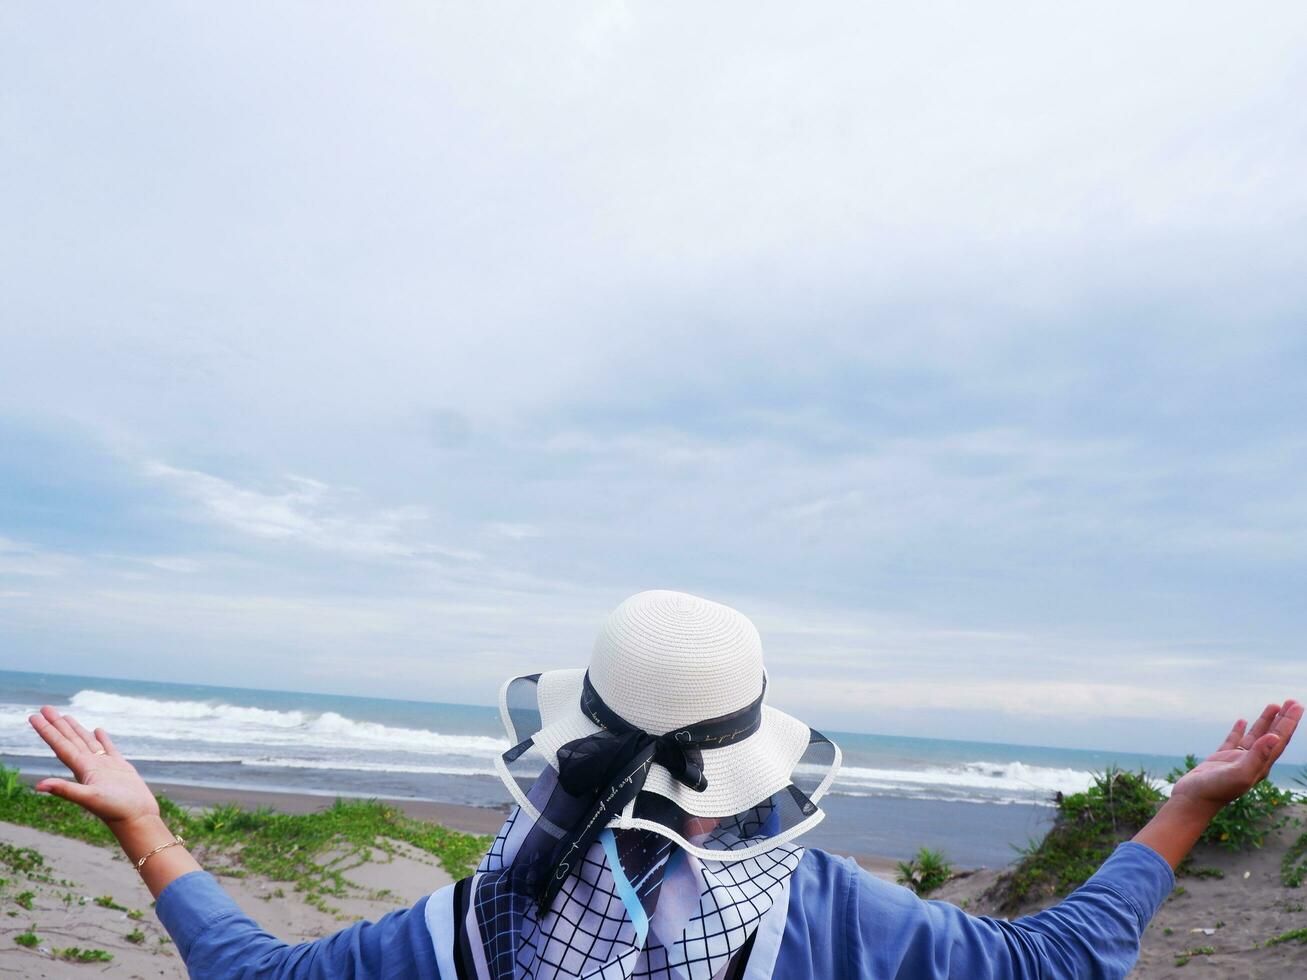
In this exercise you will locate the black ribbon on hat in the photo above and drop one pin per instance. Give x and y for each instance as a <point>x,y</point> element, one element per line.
<point>601,773</point>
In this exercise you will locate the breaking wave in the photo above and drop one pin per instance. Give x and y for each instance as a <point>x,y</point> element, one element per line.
<point>218,734</point>
<point>990,782</point>
<point>207,723</point>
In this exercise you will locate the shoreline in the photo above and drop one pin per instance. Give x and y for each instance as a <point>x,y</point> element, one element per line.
<point>973,834</point>
<point>456,816</point>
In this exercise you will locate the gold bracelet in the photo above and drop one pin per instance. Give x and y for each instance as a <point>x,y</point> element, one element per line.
<point>177,839</point>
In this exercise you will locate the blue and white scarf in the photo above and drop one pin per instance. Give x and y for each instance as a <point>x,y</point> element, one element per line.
<point>639,906</point>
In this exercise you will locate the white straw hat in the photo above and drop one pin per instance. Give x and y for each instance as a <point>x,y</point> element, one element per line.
<point>664,661</point>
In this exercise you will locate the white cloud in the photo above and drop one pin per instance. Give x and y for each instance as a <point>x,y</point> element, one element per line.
<point>514,532</point>
<point>955,341</point>
<point>308,512</point>
<point>17,558</point>
<point>175,564</point>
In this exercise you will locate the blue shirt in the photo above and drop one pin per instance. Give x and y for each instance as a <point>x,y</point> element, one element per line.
<point>837,923</point>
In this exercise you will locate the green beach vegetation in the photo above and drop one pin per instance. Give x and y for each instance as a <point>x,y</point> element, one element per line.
<point>1293,867</point>
<point>1292,936</point>
<point>75,954</point>
<point>313,852</point>
<point>1087,828</point>
<point>1089,825</point>
<point>925,872</point>
<point>1182,958</point>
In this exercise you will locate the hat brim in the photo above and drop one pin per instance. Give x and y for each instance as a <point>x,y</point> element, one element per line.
<point>740,776</point>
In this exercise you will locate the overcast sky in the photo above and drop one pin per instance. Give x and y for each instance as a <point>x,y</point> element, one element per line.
<point>382,348</point>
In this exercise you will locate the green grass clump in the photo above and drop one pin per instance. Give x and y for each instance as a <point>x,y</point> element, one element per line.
<point>1293,866</point>
<point>107,902</point>
<point>1188,870</point>
<point>1292,936</point>
<point>1244,823</point>
<point>1182,958</point>
<point>20,804</point>
<point>135,936</point>
<point>925,872</point>
<point>21,860</point>
<point>312,851</point>
<point>1088,827</point>
<point>73,954</point>
<point>28,939</point>
<point>293,848</point>
<point>25,899</point>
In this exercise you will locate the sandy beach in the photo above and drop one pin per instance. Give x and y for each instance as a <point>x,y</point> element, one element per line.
<point>88,897</point>
<point>64,912</point>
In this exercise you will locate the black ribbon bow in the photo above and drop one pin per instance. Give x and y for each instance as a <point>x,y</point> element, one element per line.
<point>603,772</point>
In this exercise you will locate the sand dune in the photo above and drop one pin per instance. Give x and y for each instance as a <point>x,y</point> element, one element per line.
<point>1242,909</point>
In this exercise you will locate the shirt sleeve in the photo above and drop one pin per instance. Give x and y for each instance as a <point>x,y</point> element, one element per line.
<point>1093,934</point>
<point>217,940</point>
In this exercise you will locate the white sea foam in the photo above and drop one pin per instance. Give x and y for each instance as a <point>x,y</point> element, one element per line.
<point>136,719</point>
<point>102,704</point>
<point>215,732</point>
<point>1005,782</point>
<point>365,766</point>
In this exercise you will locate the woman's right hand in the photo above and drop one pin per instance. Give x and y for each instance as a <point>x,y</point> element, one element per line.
<point>107,785</point>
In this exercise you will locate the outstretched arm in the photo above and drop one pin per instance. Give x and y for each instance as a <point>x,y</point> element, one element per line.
<point>216,939</point>
<point>1093,933</point>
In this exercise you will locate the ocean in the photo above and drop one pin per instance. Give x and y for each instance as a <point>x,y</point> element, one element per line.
<point>975,800</point>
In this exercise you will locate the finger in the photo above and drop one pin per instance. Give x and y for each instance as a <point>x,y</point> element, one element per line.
<point>64,729</point>
<point>103,737</point>
<point>1263,754</point>
<point>52,737</point>
<point>1287,723</point>
<point>1254,762</point>
<point>1283,728</point>
<point>87,738</point>
<point>1260,727</point>
<point>1236,733</point>
<point>74,792</point>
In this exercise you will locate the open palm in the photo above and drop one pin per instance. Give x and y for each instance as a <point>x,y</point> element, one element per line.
<point>106,784</point>
<point>1243,759</point>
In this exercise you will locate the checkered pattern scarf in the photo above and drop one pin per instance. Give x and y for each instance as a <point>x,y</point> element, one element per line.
<point>637,907</point>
